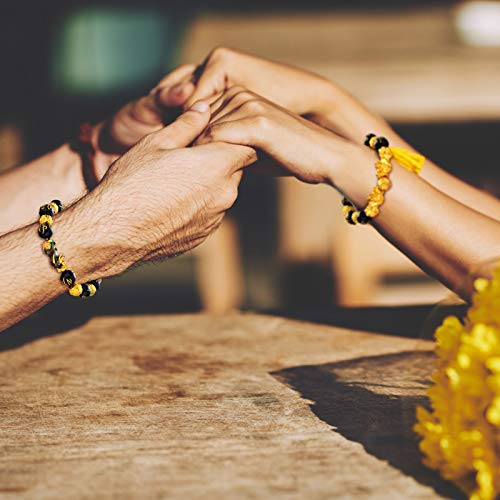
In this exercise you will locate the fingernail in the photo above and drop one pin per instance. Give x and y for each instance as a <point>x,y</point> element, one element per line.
<point>200,107</point>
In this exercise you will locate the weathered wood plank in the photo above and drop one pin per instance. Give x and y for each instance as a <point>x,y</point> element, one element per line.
<point>193,406</point>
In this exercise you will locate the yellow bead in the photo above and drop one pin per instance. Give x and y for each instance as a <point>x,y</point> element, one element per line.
<point>385,154</point>
<point>346,209</point>
<point>384,183</point>
<point>64,266</point>
<point>376,198</point>
<point>354,217</point>
<point>92,289</point>
<point>372,211</point>
<point>76,290</point>
<point>46,219</point>
<point>383,169</point>
<point>372,142</point>
<point>47,245</point>
<point>54,207</point>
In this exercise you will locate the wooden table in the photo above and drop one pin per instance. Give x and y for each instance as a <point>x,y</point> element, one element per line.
<point>194,406</point>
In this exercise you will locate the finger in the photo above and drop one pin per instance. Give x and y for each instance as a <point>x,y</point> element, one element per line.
<point>174,96</point>
<point>212,81</point>
<point>230,100</point>
<point>186,128</point>
<point>234,157</point>
<point>213,99</point>
<point>244,131</point>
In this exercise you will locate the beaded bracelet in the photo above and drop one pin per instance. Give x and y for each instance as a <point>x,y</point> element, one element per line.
<point>407,159</point>
<point>57,260</point>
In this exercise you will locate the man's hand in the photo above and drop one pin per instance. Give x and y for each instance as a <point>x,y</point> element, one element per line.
<point>165,198</point>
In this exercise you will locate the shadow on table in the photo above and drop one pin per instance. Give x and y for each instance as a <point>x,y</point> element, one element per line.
<point>372,401</point>
<point>65,313</point>
<point>416,321</point>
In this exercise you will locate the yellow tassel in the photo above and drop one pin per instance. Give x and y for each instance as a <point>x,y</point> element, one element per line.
<point>408,159</point>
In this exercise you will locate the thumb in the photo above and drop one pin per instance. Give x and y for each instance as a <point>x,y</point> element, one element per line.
<point>186,128</point>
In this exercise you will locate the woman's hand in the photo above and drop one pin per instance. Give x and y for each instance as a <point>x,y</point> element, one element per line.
<point>305,150</point>
<point>300,91</point>
<point>297,90</point>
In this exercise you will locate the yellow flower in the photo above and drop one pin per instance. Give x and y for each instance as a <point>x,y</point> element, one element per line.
<point>461,434</point>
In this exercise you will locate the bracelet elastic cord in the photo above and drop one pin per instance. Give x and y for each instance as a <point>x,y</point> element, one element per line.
<point>68,277</point>
<point>407,159</point>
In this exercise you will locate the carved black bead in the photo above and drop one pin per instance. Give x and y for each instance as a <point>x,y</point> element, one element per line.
<point>85,291</point>
<point>363,218</point>
<point>68,277</point>
<point>381,142</point>
<point>58,203</point>
<point>44,231</point>
<point>348,217</point>
<point>55,259</point>
<point>367,140</point>
<point>96,283</point>
<point>46,210</point>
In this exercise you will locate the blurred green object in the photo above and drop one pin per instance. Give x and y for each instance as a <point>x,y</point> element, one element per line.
<point>104,50</point>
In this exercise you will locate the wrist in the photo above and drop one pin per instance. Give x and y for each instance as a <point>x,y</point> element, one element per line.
<point>353,171</point>
<point>93,239</point>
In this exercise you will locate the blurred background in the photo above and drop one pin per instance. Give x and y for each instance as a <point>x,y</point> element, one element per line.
<point>432,68</point>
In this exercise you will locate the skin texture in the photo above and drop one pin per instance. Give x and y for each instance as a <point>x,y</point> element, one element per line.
<point>58,174</point>
<point>321,101</point>
<point>441,235</point>
<point>159,199</point>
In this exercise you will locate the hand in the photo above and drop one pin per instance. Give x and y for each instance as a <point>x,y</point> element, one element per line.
<point>140,118</point>
<point>166,199</point>
<point>304,149</point>
<point>298,90</point>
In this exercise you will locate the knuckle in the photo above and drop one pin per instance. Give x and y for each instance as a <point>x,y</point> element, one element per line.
<point>254,106</point>
<point>219,52</point>
<point>261,122</point>
<point>228,196</point>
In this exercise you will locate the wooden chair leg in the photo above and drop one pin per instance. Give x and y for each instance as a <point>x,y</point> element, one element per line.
<point>219,270</point>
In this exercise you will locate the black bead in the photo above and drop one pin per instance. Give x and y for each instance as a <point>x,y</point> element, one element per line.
<point>85,291</point>
<point>44,231</point>
<point>381,142</point>
<point>46,210</point>
<point>96,283</point>
<point>68,277</point>
<point>348,217</point>
<point>367,140</point>
<point>346,202</point>
<point>363,218</point>
<point>55,259</point>
<point>58,203</point>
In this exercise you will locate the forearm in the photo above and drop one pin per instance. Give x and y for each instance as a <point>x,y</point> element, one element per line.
<point>58,174</point>
<point>440,234</point>
<point>346,116</point>
<point>89,237</point>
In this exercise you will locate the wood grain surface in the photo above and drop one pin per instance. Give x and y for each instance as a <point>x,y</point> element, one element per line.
<point>194,406</point>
